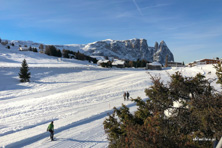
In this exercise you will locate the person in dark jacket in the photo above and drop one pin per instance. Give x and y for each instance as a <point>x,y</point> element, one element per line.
<point>51,130</point>
<point>127,95</point>
<point>124,96</point>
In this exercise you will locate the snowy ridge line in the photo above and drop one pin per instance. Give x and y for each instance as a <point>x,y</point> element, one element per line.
<point>39,137</point>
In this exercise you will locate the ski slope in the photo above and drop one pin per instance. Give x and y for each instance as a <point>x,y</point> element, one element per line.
<point>76,95</point>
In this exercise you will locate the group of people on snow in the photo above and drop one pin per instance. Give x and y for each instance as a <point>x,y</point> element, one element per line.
<point>126,95</point>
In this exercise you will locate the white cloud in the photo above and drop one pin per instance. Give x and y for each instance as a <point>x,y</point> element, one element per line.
<point>156,6</point>
<point>137,7</point>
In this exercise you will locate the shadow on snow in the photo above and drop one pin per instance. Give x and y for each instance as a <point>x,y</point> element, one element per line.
<point>33,139</point>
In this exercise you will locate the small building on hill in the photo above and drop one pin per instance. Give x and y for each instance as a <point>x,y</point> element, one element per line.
<point>204,61</point>
<point>207,61</point>
<point>174,64</point>
<point>118,63</point>
<point>154,66</point>
<point>23,48</point>
<point>104,63</point>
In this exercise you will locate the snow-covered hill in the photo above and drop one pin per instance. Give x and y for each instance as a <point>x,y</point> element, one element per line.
<point>13,57</point>
<point>121,49</point>
<point>74,94</point>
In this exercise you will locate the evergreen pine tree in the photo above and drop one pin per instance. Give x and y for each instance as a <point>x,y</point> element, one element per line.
<point>41,47</point>
<point>131,64</point>
<point>198,115</point>
<point>24,74</point>
<point>35,50</point>
<point>30,48</point>
<point>218,68</point>
<point>65,53</point>
<point>59,54</point>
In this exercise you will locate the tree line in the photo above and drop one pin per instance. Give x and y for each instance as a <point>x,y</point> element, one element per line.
<point>78,56</point>
<point>52,51</point>
<point>137,64</point>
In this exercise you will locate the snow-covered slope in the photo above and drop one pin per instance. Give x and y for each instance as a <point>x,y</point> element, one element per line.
<point>75,95</point>
<point>13,57</point>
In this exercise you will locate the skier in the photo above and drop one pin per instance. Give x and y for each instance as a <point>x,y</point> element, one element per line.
<point>127,95</point>
<point>124,96</point>
<point>51,130</point>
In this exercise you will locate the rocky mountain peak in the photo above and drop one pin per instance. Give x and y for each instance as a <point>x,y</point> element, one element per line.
<point>131,49</point>
<point>162,52</point>
<point>162,43</point>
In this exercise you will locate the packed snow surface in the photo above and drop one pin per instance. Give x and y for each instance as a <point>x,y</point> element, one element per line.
<point>76,95</point>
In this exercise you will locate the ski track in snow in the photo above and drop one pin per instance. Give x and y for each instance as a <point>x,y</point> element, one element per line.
<point>77,100</point>
<point>87,94</point>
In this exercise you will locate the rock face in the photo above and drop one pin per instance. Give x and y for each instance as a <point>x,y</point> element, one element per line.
<point>161,53</point>
<point>129,50</point>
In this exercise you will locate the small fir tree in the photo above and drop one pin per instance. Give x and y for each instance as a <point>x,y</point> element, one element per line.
<point>59,53</point>
<point>24,74</point>
<point>35,50</point>
<point>30,48</point>
<point>41,47</point>
<point>131,64</point>
<point>65,53</point>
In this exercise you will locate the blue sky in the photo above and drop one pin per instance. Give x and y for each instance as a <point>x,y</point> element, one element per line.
<point>192,29</point>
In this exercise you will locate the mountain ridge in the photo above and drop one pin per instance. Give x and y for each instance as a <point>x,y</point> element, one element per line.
<point>131,49</point>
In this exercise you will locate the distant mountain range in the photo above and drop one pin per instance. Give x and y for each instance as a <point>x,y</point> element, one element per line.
<point>132,49</point>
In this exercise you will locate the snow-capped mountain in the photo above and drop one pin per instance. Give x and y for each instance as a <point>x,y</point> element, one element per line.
<point>129,49</point>
<point>132,49</point>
